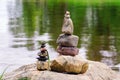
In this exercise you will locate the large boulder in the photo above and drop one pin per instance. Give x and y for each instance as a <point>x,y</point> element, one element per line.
<point>96,71</point>
<point>69,64</point>
<point>68,40</point>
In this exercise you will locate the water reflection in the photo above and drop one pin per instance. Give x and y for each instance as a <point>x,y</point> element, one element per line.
<point>31,22</point>
<point>102,41</point>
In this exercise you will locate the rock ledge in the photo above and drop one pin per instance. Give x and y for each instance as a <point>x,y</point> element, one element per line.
<point>96,71</point>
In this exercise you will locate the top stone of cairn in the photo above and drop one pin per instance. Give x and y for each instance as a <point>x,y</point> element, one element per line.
<point>67,27</point>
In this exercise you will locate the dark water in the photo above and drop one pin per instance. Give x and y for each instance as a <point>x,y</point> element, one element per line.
<point>25,24</point>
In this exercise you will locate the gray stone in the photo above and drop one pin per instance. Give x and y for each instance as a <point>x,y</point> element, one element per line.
<point>67,27</point>
<point>67,40</point>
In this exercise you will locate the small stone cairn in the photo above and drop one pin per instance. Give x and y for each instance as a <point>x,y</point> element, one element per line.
<point>42,63</point>
<point>67,42</point>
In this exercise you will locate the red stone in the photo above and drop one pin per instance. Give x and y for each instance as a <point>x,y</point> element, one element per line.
<point>72,51</point>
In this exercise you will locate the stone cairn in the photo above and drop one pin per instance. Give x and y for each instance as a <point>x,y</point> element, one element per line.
<point>67,45</point>
<point>43,56</point>
<point>67,42</point>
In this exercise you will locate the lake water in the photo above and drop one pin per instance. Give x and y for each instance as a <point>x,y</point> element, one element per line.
<point>25,24</point>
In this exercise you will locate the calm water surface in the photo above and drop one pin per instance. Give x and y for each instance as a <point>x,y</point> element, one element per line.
<point>24,24</point>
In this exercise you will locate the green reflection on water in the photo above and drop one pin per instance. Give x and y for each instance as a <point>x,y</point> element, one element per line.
<point>97,20</point>
<point>29,15</point>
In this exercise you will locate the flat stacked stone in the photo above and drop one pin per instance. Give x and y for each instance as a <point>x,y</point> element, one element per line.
<point>67,42</point>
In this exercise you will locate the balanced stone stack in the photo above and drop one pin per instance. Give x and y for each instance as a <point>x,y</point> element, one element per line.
<point>67,42</point>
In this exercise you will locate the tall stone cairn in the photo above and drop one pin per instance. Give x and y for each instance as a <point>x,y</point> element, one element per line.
<point>67,42</point>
